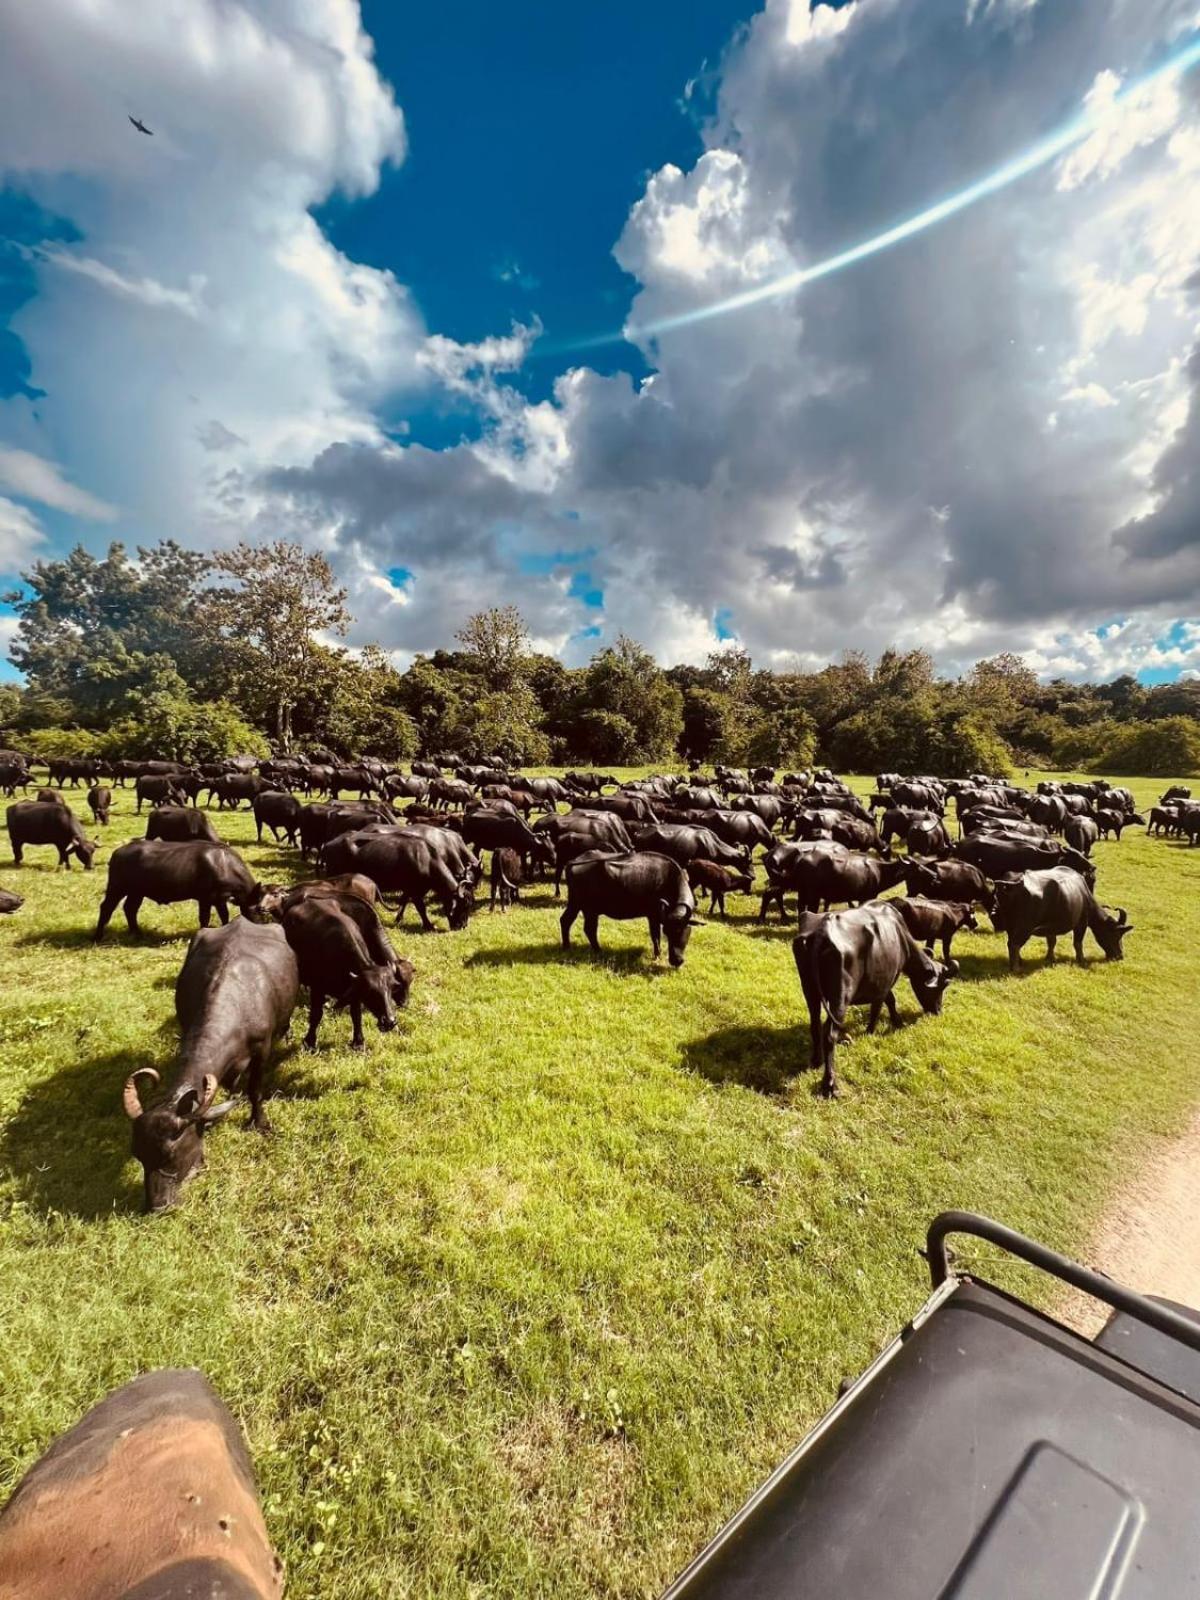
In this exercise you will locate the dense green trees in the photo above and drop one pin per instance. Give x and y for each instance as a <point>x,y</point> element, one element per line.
<point>180,654</point>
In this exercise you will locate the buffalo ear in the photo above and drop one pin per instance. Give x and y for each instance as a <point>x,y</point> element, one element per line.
<point>1126,927</point>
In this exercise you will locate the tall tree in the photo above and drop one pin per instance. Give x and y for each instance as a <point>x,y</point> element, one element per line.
<point>281,597</point>
<point>498,642</point>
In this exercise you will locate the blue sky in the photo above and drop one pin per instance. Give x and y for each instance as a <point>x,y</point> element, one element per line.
<point>306,306</point>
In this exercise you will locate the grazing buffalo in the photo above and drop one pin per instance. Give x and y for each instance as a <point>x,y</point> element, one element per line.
<point>998,857</point>
<point>412,862</point>
<point>153,869</point>
<point>177,824</point>
<point>742,829</point>
<point>949,880</point>
<point>100,802</point>
<point>158,789</point>
<point>508,873</point>
<point>642,883</point>
<point>32,822</point>
<point>928,920</point>
<point>151,1494</point>
<point>718,881</point>
<point>340,962</point>
<point>234,998</point>
<point>14,775</point>
<point>856,958</point>
<point>10,902</point>
<point>925,836</point>
<point>1045,905</point>
<point>279,811</point>
<point>549,791</point>
<point>1081,833</point>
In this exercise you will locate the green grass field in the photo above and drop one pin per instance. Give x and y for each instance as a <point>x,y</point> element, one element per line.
<point>525,1299</point>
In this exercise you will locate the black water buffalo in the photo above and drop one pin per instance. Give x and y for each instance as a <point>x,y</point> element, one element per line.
<point>948,880</point>
<point>919,796</point>
<point>338,961</point>
<point>177,824</point>
<point>928,920</point>
<point>1048,904</point>
<point>449,792</point>
<point>717,882</point>
<point>925,836</point>
<point>100,802</point>
<point>279,811</point>
<point>642,883</point>
<point>159,789</point>
<point>1048,809</point>
<point>830,874</point>
<point>161,1462</point>
<point>1112,819</point>
<point>14,775</point>
<point>684,844</point>
<point>1177,791</point>
<point>998,857</point>
<point>854,958</point>
<point>1081,833</point>
<point>508,874</point>
<point>72,770</point>
<point>166,872</point>
<point>426,769</point>
<point>10,903</point>
<point>769,807</point>
<point>34,822</point>
<point>234,998</point>
<point>743,829</point>
<point>415,787</point>
<point>549,791</point>
<point>412,862</point>
<point>235,787</point>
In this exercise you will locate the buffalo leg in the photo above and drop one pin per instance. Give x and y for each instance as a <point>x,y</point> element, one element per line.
<point>357,1042</point>
<point>254,1090</point>
<point>204,912</point>
<point>222,911</point>
<point>1051,941</point>
<point>107,906</point>
<point>946,947</point>
<point>827,1088</point>
<point>873,1015</point>
<point>419,902</point>
<point>133,904</point>
<point>64,858</point>
<point>1079,955</point>
<point>591,928</point>
<point>655,936</point>
<point>316,1010</point>
<point>893,1009</point>
<point>1014,952</point>
<point>566,922</point>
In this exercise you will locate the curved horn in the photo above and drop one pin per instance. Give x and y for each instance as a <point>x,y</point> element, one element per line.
<point>208,1093</point>
<point>1122,914</point>
<point>130,1098</point>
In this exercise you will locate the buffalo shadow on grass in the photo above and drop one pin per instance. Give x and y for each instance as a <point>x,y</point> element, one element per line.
<point>637,962</point>
<point>67,1143</point>
<point>759,1058</point>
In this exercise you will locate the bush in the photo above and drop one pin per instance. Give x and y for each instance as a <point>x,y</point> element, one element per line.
<point>61,744</point>
<point>178,728</point>
<point>1169,747</point>
<point>605,737</point>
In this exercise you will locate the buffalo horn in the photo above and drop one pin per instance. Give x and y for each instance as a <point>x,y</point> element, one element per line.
<point>130,1098</point>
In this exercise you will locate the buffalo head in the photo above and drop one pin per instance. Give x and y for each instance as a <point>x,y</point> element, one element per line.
<point>372,988</point>
<point>678,920</point>
<point>85,849</point>
<point>1110,929</point>
<point>461,903</point>
<point>930,980</point>
<point>167,1138</point>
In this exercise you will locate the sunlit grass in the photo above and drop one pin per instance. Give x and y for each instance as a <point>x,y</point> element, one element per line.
<point>527,1297</point>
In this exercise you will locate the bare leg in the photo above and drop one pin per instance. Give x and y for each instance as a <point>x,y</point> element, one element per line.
<point>357,1042</point>
<point>316,1010</point>
<point>133,904</point>
<point>566,922</point>
<point>591,927</point>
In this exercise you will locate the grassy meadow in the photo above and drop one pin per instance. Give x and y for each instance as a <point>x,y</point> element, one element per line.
<point>525,1299</point>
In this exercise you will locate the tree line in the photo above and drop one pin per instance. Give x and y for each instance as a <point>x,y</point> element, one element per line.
<point>196,657</point>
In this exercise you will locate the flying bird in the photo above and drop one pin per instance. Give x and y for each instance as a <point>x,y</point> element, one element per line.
<point>141,127</point>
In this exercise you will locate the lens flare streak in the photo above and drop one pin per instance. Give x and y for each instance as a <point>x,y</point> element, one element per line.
<point>1039,155</point>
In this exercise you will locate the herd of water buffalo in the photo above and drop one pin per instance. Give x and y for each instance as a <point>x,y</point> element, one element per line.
<point>643,849</point>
